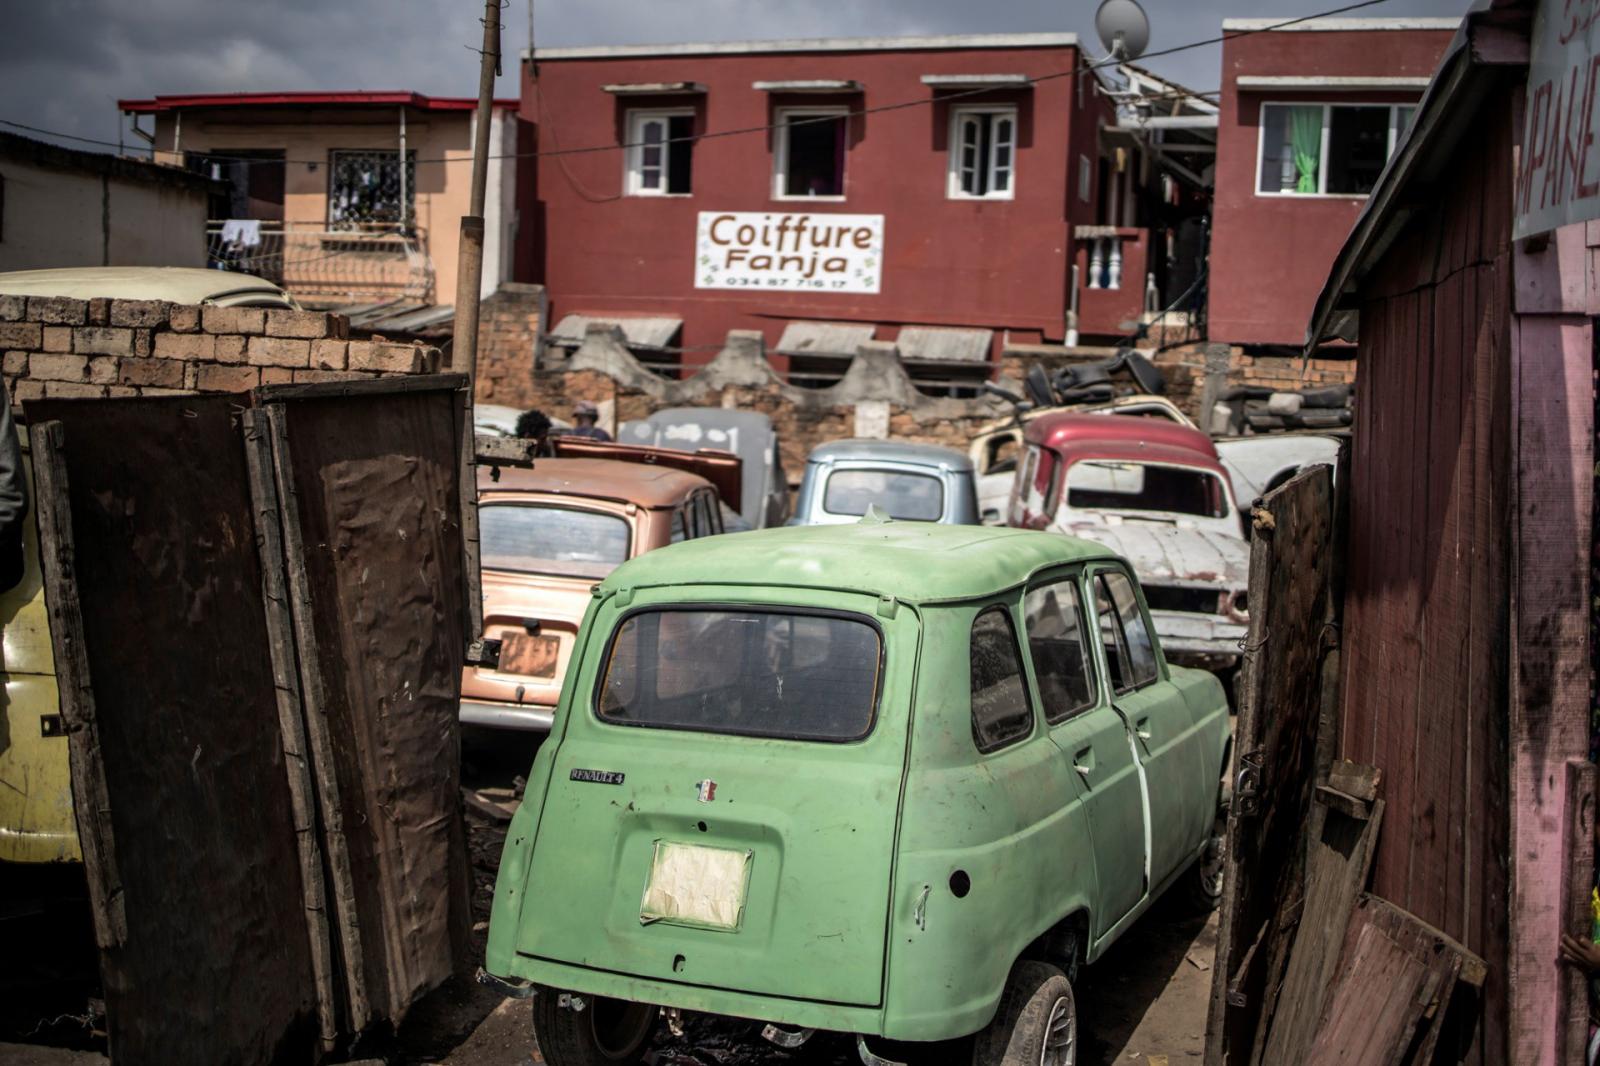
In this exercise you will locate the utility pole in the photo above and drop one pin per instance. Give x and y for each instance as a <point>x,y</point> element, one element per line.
<point>469,274</point>
<point>469,280</point>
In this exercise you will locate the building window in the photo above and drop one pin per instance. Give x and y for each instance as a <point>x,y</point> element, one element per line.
<point>367,187</point>
<point>983,153</point>
<point>660,156</point>
<point>1327,149</point>
<point>1085,178</point>
<point>809,161</point>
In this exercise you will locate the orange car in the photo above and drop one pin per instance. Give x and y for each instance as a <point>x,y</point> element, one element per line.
<point>546,536</point>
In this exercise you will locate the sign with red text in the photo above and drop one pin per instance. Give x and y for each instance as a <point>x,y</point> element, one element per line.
<point>1558,175</point>
<point>787,251</point>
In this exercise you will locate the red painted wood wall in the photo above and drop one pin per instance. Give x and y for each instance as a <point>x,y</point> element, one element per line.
<point>1426,633</point>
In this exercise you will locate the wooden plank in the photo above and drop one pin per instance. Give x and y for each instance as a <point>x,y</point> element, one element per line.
<point>91,798</point>
<point>1395,979</point>
<point>471,554</point>
<point>1335,877</point>
<point>1355,780</point>
<point>1549,720</point>
<point>1280,705</point>
<point>1577,917</point>
<point>280,634</point>
<point>314,699</point>
<point>271,394</point>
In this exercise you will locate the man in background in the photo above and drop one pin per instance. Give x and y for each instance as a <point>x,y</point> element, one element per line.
<point>586,417</point>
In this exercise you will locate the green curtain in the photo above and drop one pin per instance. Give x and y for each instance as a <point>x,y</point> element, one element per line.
<point>1305,141</point>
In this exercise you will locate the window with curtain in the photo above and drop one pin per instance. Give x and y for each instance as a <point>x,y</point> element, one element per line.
<point>983,146</point>
<point>1327,149</point>
<point>811,145</point>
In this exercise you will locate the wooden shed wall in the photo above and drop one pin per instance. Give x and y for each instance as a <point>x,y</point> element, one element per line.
<point>1426,638</point>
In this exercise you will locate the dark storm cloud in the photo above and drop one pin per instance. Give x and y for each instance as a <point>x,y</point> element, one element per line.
<point>64,63</point>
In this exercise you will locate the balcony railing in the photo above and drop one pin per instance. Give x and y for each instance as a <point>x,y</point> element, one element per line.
<point>376,261</point>
<point>1113,287</point>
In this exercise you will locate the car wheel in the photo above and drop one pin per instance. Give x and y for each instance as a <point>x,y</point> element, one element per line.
<point>1203,882</point>
<point>606,1032</point>
<point>1036,1024</point>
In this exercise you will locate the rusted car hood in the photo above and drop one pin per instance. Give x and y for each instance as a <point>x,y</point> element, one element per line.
<point>1162,552</point>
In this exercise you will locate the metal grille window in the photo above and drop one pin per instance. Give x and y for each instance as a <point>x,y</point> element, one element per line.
<point>983,147</point>
<point>369,187</point>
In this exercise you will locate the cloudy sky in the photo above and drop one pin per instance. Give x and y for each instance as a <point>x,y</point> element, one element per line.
<point>64,63</point>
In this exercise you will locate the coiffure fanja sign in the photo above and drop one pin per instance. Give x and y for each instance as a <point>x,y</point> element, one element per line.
<point>1558,174</point>
<point>789,251</point>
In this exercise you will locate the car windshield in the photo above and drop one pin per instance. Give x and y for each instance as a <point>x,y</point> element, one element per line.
<point>1107,486</point>
<point>563,541</point>
<point>908,497</point>
<point>748,672</point>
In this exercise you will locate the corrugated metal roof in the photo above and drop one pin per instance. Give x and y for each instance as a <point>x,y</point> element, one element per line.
<point>639,332</point>
<point>938,345</point>
<point>824,338</point>
<point>398,316</point>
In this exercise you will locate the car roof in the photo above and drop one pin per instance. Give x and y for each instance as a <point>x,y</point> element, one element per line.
<point>890,451</point>
<point>184,285</point>
<point>1121,435</point>
<point>917,562</point>
<point>601,479</point>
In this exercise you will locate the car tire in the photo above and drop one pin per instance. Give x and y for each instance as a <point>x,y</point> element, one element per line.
<point>606,1032</point>
<point>1036,1023</point>
<point>1202,884</point>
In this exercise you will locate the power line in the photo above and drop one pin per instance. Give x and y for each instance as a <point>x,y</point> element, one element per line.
<point>767,127</point>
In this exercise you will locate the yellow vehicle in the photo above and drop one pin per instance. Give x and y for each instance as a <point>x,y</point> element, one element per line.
<point>36,822</point>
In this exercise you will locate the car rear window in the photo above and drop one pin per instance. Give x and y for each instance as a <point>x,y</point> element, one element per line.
<point>786,674</point>
<point>908,497</point>
<point>1106,486</point>
<point>560,541</point>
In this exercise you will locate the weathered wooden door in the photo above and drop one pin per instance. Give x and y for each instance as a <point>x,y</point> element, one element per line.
<point>1288,653</point>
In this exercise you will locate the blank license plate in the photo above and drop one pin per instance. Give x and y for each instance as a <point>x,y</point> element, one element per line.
<point>529,655</point>
<point>694,885</point>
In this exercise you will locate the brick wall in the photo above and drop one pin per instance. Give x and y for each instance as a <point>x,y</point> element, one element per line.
<point>511,327</point>
<point>59,347</point>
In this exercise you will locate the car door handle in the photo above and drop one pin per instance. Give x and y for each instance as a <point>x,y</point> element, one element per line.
<point>1083,762</point>
<point>1142,728</point>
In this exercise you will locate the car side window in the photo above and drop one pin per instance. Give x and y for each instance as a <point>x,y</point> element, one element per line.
<point>1000,711</point>
<point>710,516</point>
<point>1062,662</point>
<point>1130,653</point>
<point>679,531</point>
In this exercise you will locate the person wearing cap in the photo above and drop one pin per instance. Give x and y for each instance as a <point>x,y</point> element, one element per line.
<point>586,415</point>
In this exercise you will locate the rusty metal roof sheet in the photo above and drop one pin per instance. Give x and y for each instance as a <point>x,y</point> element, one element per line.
<point>824,338</point>
<point>639,331</point>
<point>940,345</point>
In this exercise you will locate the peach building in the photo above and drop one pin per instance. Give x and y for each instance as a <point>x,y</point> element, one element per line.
<point>317,199</point>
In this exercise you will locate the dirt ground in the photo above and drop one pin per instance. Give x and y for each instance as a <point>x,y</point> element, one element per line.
<point>1143,1003</point>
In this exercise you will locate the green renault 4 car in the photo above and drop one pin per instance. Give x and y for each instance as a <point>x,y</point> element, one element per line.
<point>894,780</point>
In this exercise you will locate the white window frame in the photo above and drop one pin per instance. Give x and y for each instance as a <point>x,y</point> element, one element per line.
<point>1327,106</point>
<point>953,189</point>
<point>780,150</point>
<point>633,158</point>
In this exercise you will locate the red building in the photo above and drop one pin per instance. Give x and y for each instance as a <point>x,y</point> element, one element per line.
<point>922,190</point>
<point>1309,117</point>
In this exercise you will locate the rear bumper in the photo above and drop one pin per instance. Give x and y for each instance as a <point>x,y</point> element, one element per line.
<point>794,1013</point>
<point>1199,639</point>
<point>527,717</point>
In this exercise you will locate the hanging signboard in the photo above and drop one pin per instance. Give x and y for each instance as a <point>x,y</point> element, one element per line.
<point>789,251</point>
<point>1558,176</point>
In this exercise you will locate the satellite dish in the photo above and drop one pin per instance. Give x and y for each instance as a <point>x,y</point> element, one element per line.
<point>1123,27</point>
